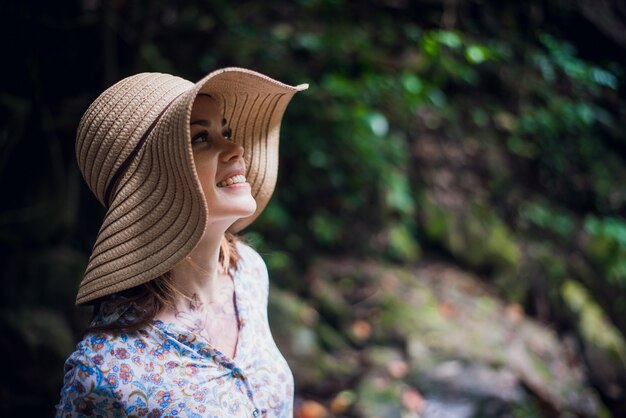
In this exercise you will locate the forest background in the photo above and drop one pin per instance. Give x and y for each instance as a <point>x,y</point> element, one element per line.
<point>451,197</point>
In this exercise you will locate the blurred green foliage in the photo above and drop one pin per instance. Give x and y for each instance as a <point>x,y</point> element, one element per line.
<point>593,323</point>
<point>607,248</point>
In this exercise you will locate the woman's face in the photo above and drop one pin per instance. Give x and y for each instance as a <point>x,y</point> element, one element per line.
<point>219,164</point>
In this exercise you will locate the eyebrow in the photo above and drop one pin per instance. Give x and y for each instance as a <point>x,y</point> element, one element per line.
<point>201,122</point>
<point>206,123</point>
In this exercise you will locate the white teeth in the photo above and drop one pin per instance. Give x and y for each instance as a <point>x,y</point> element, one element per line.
<point>232,180</point>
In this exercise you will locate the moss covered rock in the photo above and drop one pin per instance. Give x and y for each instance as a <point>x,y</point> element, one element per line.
<point>476,236</point>
<point>433,333</point>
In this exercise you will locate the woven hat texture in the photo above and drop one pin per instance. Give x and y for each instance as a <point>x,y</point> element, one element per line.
<point>133,148</point>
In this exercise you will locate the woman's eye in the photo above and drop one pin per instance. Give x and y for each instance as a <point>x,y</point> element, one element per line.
<point>228,134</point>
<point>201,137</point>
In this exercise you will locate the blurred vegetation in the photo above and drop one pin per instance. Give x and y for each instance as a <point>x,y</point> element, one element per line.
<point>490,135</point>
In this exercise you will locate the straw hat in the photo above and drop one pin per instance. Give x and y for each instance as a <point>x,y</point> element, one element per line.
<point>134,150</point>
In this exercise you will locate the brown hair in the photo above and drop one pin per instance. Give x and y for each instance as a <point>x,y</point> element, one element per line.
<point>148,299</point>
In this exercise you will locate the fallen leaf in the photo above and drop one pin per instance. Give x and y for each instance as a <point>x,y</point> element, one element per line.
<point>446,309</point>
<point>515,312</point>
<point>342,402</point>
<point>312,409</point>
<point>361,329</point>
<point>413,400</point>
<point>398,368</point>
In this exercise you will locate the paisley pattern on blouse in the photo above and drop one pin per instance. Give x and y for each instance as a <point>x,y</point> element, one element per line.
<point>165,370</point>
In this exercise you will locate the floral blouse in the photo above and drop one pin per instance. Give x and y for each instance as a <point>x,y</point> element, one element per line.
<point>165,370</point>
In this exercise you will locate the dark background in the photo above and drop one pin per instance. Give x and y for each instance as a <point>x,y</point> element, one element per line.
<point>486,135</point>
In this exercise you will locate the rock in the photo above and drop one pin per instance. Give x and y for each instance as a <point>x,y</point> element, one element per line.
<point>307,342</point>
<point>293,323</point>
<point>443,335</point>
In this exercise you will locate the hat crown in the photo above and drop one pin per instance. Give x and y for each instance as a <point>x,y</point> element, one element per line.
<point>115,122</point>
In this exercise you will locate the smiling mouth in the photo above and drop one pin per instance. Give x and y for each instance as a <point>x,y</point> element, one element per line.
<point>232,180</point>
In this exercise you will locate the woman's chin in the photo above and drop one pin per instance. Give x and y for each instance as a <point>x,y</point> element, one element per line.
<point>251,209</point>
<point>247,206</point>
<point>237,209</point>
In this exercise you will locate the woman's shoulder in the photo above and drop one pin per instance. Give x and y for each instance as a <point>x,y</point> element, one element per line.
<point>97,348</point>
<point>249,256</point>
<point>90,388</point>
<point>97,352</point>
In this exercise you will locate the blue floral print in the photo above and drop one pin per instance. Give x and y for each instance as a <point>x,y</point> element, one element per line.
<point>165,370</point>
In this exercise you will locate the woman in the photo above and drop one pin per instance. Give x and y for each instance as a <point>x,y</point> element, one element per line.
<point>180,322</point>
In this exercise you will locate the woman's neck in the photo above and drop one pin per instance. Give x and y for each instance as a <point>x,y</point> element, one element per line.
<point>200,276</point>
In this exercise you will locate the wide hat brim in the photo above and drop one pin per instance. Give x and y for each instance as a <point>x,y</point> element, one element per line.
<point>157,212</point>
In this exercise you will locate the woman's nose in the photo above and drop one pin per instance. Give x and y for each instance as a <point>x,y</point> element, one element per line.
<point>232,151</point>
